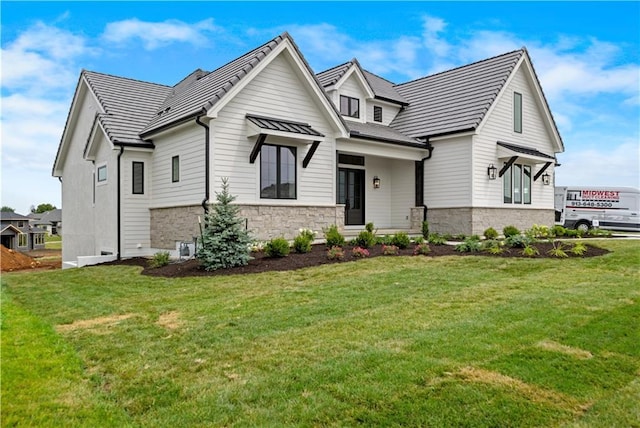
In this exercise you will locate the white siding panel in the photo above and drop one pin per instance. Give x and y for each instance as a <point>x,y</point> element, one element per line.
<point>389,112</point>
<point>499,127</point>
<point>276,92</point>
<point>135,208</point>
<point>188,142</point>
<point>105,210</point>
<point>402,192</point>
<point>352,88</point>
<point>447,174</point>
<point>377,201</point>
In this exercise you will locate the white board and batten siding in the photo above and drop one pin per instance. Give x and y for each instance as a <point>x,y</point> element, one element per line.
<point>276,92</point>
<point>105,214</point>
<point>498,126</point>
<point>135,220</point>
<point>188,143</point>
<point>447,177</point>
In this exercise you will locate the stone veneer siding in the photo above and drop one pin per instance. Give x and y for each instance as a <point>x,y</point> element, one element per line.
<point>474,221</point>
<point>171,225</point>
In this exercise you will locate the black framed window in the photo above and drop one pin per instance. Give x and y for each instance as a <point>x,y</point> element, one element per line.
<point>349,106</point>
<point>277,172</point>
<point>516,183</point>
<point>517,112</point>
<point>350,159</point>
<point>138,178</point>
<point>102,173</point>
<point>175,169</point>
<point>377,114</point>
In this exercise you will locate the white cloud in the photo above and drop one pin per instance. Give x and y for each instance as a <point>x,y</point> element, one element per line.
<point>432,27</point>
<point>158,34</point>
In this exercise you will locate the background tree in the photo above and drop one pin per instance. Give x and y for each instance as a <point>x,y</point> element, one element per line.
<point>43,208</point>
<point>225,241</point>
<point>6,209</point>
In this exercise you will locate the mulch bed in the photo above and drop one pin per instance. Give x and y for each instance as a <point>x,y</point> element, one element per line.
<point>318,256</point>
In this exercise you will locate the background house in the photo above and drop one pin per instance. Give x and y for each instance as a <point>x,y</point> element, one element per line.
<point>18,234</point>
<point>464,149</point>
<point>51,221</point>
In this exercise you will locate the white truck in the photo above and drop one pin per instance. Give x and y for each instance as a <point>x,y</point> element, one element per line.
<point>612,208</point>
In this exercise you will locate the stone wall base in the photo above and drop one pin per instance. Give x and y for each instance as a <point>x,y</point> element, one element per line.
<point>474,221</point>
<point>264,222</point>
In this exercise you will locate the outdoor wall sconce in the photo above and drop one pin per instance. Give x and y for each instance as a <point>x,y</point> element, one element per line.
<point>376,182</point>
<point>546,179</point>
<point>492,172</point>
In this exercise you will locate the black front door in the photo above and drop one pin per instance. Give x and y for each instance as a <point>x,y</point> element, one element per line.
<point>351,194</point>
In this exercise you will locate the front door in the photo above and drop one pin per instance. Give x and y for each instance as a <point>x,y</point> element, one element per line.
<point>351,194</point>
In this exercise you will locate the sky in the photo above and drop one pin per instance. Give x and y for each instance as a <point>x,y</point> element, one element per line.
<point>586,56</point>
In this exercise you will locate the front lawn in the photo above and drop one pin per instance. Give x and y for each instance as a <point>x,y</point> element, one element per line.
<point>403,341</point>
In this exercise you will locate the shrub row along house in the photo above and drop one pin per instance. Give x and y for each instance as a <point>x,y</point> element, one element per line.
<point>464,149</point>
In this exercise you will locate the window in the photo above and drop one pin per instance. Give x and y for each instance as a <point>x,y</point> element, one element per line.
<point>349,106</point>
<point>351,159</point>
<point>175,169</point>
<point>23,239</point>
<point>20,224</point>
<point>277,172</point>
<point>38,239</point>
<point>138,178</point>
<point>517,112</point>
<point>102,173</point>
<point>516,183</point>
<point>377,114</point>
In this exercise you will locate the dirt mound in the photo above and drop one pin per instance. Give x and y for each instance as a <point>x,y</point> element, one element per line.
<point>11,260</point>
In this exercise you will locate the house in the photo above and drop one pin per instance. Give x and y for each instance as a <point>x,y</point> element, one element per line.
<point>18,235</point>
<point>465,149</point>
<point>51,221</point>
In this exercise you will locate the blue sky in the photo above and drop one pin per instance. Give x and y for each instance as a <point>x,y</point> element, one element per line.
<point>586,54</point>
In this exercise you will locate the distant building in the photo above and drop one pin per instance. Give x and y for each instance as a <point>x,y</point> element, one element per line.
<point>18,234</point>
<point>51,221</point>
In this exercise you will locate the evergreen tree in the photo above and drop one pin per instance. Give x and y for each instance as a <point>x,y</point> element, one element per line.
<point>225,242</point>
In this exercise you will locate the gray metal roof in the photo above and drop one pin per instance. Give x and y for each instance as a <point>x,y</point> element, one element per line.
<point>206,91</point>
<point>374,131</point>
<point>525,150</point>
<point>9,216</point>
<point>53,216</point>
<point>382,88</point>
<point>283,125</point>
<point>128,104</point>
<point>455,100</point>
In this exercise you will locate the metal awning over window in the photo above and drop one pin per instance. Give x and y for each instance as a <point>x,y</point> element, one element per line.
<point>506,150</point>
<point>284,128</point>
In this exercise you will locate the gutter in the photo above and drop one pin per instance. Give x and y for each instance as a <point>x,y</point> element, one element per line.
<point>205,201</point>
<point>119,215</point>
<point>430,149</point>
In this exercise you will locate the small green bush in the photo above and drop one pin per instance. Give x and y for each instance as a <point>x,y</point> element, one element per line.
<point>540,232</point>
<point>301,244</point>
<point>422,249</point>
<point>510,231</point>
<point>518,241</point>
<point>418,240</point>
<point>599,232</point>
<point>389,250</point>
<point>365,239</point>
<point>436,239</point>
<point>401,240</point>
<point>384,240</point>
<point>493,246</point>
<point>490,233</point>
<point>530,251</point>
<point>333,237</point>
<point>159,259</point>
<point>557,250</point>
<point>469,245</point>
<point>572,233</point>
<point>579,249</point>
<point>558,230</point>
<point>460,237</point>
<point>277,247</point>
<point>335,253</point>
<point>369,227</point>
<point>425,229</point>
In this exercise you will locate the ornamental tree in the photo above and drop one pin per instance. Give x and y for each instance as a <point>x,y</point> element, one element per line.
<point>225,241</point>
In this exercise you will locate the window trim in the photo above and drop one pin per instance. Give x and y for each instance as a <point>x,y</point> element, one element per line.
<point>517,112</point>
<point>38,239</point>
<point>377,110</point>
<point>521,185</point>
<point>350,110</point>
<point>278,183</point>
<point>23,237</point>
<point>175,169</point>
<point>133,178</point>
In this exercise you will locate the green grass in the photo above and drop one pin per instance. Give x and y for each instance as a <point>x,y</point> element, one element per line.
<point>53,242</point>
<point>400,341</point>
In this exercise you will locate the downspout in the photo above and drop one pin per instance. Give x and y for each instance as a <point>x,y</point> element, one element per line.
<point>205,201</point>
<point>424,207</point>
<point>118,205</point>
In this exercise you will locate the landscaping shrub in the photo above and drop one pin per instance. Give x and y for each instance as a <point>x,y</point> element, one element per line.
<point>537,231</point>
<point>557,250</point>
<point>530,251</point>
<point>425,229</point>
<point>385,240</point>
<point>460,237</point>
<point>508,231</point>
<point>369,227</point>
<point>418,240</point>
<point>335,253</point>
<point>389,250</point>
<point>490,233</point>
<point>422,248</point>
<point>401,240</point>
<point>469,245</point>
<point>518,241</point>
<point>365,239</point>
<point>159,259</point>
<point>599,232</point>
<point>277,247</point>
<point>302,242</point>
<point>436,239</point>
<point>333,237</point>
<point>360,252</point>
<point>558,230</point>
<point>493,246</point>
<point>579,249</point>
<point>225,242</point>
